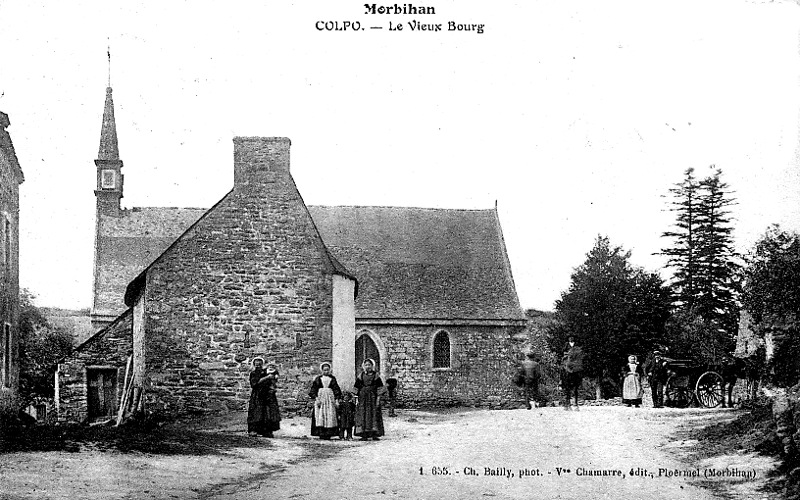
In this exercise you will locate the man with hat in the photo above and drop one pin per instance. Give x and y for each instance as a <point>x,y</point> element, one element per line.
<point>655,368</point>
<point>571,372</point>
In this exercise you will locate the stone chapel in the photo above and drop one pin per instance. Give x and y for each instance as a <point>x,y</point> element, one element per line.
<point>185,298</point>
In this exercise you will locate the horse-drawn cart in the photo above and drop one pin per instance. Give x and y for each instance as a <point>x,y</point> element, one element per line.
<point>691,382</point>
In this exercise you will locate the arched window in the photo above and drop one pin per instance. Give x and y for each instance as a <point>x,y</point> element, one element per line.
<point>441,350</point>
<point>366,349</point>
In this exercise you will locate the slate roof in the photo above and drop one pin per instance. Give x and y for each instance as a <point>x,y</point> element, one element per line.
<point>410,263</point>
<point>151,222</point>
<point>128,244</point>
<point>419,263</point>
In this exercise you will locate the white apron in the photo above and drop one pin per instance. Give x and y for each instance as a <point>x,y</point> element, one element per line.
<point>325,405</point>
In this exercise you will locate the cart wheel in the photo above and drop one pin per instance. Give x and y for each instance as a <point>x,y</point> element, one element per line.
<point>710,389</point>
<point>676,395</point>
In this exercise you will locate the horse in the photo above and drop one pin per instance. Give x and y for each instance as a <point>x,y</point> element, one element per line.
<point>734,368</point>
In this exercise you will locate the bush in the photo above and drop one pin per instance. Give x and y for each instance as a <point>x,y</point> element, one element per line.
<point>41,347</point>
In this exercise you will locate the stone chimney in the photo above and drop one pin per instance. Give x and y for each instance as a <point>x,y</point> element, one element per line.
<point>259,160</point>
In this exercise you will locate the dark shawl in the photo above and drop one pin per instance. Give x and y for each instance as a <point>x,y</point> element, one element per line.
<point>263,414</point>
<point>369,421</point>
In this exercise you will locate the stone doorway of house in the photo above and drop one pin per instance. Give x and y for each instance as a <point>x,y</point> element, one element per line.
<point>101,392</point>
<point>366,349</point>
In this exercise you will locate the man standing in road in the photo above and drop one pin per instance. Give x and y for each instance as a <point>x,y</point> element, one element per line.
<point>530,374</point>
<point>572,372</point>
<point>655,368</point>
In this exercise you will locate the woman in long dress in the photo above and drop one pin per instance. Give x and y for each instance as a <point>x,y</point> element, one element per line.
<point>325,392</point>
<point>632,374</point>
<point>369,421</point>
<point>263,415</point>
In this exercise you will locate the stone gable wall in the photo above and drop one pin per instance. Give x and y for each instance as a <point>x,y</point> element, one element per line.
<point>109,348</point>
<point>251,278</point>
<point>482,365</point>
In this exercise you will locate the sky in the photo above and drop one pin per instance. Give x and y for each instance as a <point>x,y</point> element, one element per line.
<point>575,117</point>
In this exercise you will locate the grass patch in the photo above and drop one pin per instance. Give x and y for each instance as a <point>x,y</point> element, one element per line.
<point>752,431</point>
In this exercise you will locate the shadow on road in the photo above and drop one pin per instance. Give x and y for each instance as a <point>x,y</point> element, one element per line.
<point>175,438</point>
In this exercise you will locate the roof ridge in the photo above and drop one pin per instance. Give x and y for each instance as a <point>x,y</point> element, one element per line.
<point>407,208</point>
<point>166,208</point>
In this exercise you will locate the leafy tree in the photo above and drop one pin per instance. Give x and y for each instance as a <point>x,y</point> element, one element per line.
<point>772,297</point>
<point>612,308</point>
<point>689,335</point>
<point>772,275</point>
<point>41,346</point>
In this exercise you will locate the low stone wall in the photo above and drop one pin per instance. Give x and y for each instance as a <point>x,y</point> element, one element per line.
<point>786,414</point>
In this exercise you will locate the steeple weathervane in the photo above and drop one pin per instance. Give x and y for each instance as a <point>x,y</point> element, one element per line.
<point>109,63</point>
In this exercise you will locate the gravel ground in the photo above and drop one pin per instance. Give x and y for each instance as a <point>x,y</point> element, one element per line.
<point>542,453</point>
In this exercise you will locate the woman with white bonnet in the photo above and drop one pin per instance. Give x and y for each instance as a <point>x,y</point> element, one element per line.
<point>369,421</point>
<point>325,392</point>
<point>263,415</point>
<point>632,375</point>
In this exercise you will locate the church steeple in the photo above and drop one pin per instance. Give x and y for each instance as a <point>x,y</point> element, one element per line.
<point>109,149</point>
<point>109,166</point>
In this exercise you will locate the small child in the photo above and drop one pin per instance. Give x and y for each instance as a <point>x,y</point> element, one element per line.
<point>347,415</point>
<point>391,385</point>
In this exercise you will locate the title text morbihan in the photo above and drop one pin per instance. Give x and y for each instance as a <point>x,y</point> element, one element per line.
<point>406,8</point>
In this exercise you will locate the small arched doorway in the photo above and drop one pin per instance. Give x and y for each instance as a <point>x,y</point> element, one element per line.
<point>366,349</point>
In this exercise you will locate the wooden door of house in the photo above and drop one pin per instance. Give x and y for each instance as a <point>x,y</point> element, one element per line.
<point>366,349</point>
<point>101,393</point>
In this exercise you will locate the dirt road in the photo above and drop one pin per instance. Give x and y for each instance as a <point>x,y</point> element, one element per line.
<point>542,453</point>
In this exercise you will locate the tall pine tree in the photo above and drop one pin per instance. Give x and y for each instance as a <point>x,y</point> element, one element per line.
<point>702,256</point>
<point>718,284</point>
<point>683,254</point>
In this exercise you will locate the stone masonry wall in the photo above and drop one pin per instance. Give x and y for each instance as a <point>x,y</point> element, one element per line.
<point>9,275</point>
<point>483,363</point>
<point>110,347</point>
<point>251,278</point>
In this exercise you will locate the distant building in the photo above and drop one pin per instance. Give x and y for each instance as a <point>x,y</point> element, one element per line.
<point>10,179</point>
<point>77,323</point>
<point>193,295</point>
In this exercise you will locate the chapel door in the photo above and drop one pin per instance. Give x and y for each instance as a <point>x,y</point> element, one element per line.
<point>366,349</point>
<point>101,392</point>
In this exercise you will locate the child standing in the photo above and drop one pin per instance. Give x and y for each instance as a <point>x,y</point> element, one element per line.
<point>391,384</point>
<point>347,414</point>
